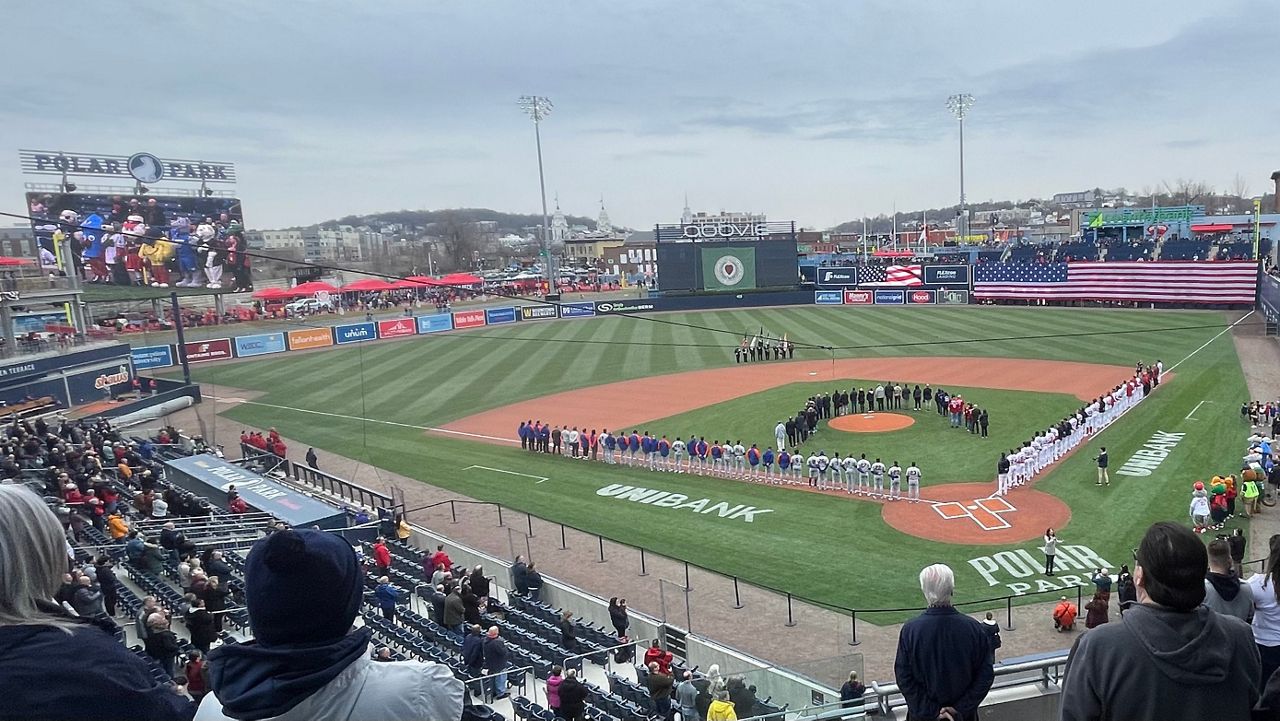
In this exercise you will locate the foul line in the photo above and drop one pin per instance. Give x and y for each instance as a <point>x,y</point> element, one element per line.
<point>1193,411</point>
<point>512,473</point>
<point>1206,344</point>
<point>375,420</point>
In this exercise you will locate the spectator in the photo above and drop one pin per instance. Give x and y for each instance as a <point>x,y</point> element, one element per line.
<point>568,634</point>
<point>388,596</point>
<point>660,686</point>
<point>312,460</point>
<point>215,596</point>
<point>455,611</point>
<point>1235,542</point>
<point>403,531</point>
<point>480,584</point>
<point>1170,656</point>
<point>440,558</point>
<point>1265,588</point>
<point>686,698</point>
<point>87,600</point>
<point>470,604</point>
<point>303,591</point>
<point>383,655</point>
<point>437,605</point>
<point>149,606</point>
<point>107,584</point>
<point>1224,592</point>
<point>520,576</point>
<point>197,676</point>
<point>534,581</point>
<point>618,616</point>
<point>1096,610</point>
<point>495,662</point>
<point>1125,591</point>
<point>942,663</point>
<point>553,690</point>
<point>473,652</point>
<point>117,526</point>
<point>851,692</point>
<point>381,556</point>
<point>573,697</point>
<point>217,567</point>
<point>742,696</point>
<point>1064,615</point>
<point>161,644</point>
<point>993,634</point>
<point>1102,583</point>
<point>721,708</point>
<point>201,625</point>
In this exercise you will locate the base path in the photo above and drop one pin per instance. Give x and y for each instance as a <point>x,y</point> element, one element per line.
<point>871,422</point>
<point>632,403</point>
<point>968,513</point>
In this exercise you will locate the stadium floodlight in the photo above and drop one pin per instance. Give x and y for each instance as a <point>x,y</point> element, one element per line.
<point>959,105</point>
<point>538,107</point>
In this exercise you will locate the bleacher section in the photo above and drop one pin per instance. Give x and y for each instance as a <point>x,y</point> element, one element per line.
<point>1076,250</point>
<point>1183,249</point>
<point>1133,250</point>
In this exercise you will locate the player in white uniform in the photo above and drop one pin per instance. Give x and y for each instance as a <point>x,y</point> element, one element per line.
<point>780,435</point>
<point>677,455</point>
<point>895,481</point>
<point>836,471</point>
<point>813,470</point>
<point>877,476</point>
<point>798,465</point>
<point>739,460</point>
<point>850,471</point>
<point>913,483</point>
<point>864,476</point>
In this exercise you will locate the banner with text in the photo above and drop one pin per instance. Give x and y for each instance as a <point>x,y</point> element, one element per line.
<point>310,338</point>
<point>208,350</point>
<point>434,323</point>
<point>828,297</point>
<point>152,356</point>
<point>468,319</point>
<point>537,312</point>
<point>261,344</point>
<point>584,309</point>
<point>498,316</point>
<point>355,333</point>
<point>397,328</point>
<point>890,296</point>
<point>948,275</point>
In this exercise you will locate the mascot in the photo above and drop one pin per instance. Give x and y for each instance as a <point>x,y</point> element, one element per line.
<point>184,245</point>
<point>211,248</point>
<point>156,252</point>
<point>131,232</point>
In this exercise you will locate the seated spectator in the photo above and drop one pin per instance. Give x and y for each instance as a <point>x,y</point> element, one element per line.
<point>303,590</point>
<point>53,665</point>
<point>1169,656</point>
<point>1064,615</point>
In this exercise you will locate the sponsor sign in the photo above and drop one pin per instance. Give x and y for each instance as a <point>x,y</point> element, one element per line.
<point>435,323</point>
<point>537,312</point>
<point>584,309</point>
<point>251,345</point>
<point>106,380</point>
<point>886,296</point>
<point>946,275</point>
<point>468,319</point>
<point>1022,570</point>
<point>1151,455</point>
<point>310,338</point>
<point>922,297</point>
<point>152,356</point>
<point>725,230</point>
<point>397,328</point>
<point>355,333</point>
<point>497,316</point>
<point>144,167</point>
<point>680,502</point>
<point>837,276</point>
<point>828,297</point>
<point>858,297</point>
<point>208,350</point>
<point>953,297</point>
<point>624,306</point>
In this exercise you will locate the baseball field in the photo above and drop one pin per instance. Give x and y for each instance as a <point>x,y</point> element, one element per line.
<point>444,409</point>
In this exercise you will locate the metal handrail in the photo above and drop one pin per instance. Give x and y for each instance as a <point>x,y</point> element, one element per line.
<point>883,692</point>
<point>508,671</point>
<point>567,659</point>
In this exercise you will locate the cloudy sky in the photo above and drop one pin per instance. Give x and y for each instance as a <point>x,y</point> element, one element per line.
<point>814,111</point>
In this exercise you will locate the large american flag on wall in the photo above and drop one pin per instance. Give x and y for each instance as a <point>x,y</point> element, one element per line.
<point>1156,282</point>
<point>892,275</point>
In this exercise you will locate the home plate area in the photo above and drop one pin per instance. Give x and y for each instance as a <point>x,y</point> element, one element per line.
<point>968,513</point>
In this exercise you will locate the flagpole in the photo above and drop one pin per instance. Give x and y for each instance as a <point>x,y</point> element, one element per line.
<point>1257,228</point>
<point>894,242</point>
<point>924,231</point>
<point>864,240</point>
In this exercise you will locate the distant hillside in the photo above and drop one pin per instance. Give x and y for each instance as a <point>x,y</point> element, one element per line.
<point>507,222</point>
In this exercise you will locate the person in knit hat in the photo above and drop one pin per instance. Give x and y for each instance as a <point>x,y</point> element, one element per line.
<point>303,590</point>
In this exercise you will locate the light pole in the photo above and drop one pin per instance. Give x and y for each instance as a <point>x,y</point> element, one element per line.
<point>959,105</point>
<point>539,107</point>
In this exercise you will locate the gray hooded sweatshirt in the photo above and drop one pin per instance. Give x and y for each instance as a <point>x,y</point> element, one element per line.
<point>1158,664</point>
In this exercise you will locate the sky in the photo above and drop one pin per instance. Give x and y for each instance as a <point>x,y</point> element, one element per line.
<point>818,112</point>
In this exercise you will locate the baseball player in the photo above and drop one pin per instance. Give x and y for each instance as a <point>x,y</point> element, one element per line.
<point>753,461</point>
<point>664,450</point>
<point>823,464</point>
<point>850,471</point>
<point>784,466</point>
<point>739,459</point>
<point>633,446</point>
<point>864,476</point>
<point>766,460</point>
<point>717,458</point>
<point>895,481</point>
<point>836,470</point>
<point>610,445</point>
<point>622,447</point>
<point>813,470</point>
<point>798,467</point>
<point>1002,475</point>
<point>780,434</point>
<point>692,447</point>
<point>677,455</point>
<point>877,476</point>
<point>913,483</point>
<point>703,450</point>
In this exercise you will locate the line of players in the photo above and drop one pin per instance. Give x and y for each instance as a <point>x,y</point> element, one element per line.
<point>1021,464</point>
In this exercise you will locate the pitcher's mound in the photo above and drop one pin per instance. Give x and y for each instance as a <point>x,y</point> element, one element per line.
<point>871,422</point>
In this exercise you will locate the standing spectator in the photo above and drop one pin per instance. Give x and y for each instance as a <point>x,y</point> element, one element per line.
<point>1126,593</point>
<point>108,584</point>
<point>1224,592</point>
<point>215,600</point>
<point>742,696</point>
<point>1096,610</point>
<point>161,644</point>
<point>480,584</point>
<point>942,663</point>
<point>520,576</point>
<point>568,634</point>
<point>687,698</point>
<point>312,460</point>
<point>87,600</point>
<point>149,606</point>
<point>201,626</point>
<point>197,676</point>
<point>721,708</point>
<point>618,616</point>
<point>403,531</point>
<point>455,611</point>
<point>660,686</point>
<point>381,556</point>
<point>1265,588</point>
<point>993,634</point>
<point>553,690</point>
<point>573,697</point>
<point>388,596</point>
<point>534,581</point>
<point>1170,656</point>
<point>473,654</point>
<point>495,662</point>
<point>1102,582</point>
<point>440,558</point>
<point>853,689</point>
<point>1235,544</point>
<point>303,591</point>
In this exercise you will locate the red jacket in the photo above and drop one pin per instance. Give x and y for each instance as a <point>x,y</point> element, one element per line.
<point>440,558</point>
<point>381,556</point>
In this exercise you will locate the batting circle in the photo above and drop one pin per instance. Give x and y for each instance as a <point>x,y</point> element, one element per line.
<point>728,270</point>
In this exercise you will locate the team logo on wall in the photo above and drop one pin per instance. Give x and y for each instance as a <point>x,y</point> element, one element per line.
<point>145,167</point>
<point>728,270</point>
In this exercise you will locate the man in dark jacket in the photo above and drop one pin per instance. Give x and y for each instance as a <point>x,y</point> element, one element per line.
<point>742,696</point>
<point>1169,656</point>
<point>437,605</point>
<point>454,611</point>
<point>520,576</point>
<point>107,584</point>
<point>573,696</point>
<point>533,580</point>
<point>161,643</point>
<point>473,655</point>
<point>942,666</point>
<point>201,626</point>
<point>495,661</point>
<point>660,686</point>
<point>387,596</point>
<point>87,600</point>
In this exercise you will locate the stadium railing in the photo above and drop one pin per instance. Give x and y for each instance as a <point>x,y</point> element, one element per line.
<point>316,478</point>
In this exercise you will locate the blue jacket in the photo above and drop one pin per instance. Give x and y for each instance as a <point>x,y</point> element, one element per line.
<point>943,660</point>
<point>387,595</point>
<point>473,651</point>
<point>610,442</point>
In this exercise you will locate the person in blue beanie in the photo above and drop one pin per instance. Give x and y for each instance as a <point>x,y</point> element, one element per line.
<point>303,590</point>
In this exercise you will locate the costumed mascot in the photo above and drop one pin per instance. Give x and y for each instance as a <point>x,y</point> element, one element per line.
<point>131,231</point>
<point>211,248</point>
<point>156,252</point>
<point>185,246</point>
<point>95,253</point>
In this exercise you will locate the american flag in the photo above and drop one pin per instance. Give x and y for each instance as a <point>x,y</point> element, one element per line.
<point>1160,282</point>
<point>892,275</point>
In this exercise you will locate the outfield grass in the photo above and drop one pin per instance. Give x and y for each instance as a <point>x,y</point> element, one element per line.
<point>834,550</point>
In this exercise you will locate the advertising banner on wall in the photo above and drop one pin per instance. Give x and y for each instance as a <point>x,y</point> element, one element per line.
<point>208,350</point>
<point>261,344</point>
<point>946,275</point>
<point>152,356</point>
<point>858,297</point>
<point>828,297</point>
<point>468,319</point>
<point>397,328</point>
<point>922,297</point>
<point>729,268</point>
<point>584,309</point>
<point>953,297</point>
<point>606,307</point>
<point>434,323</point>
<point>498,316</point>
<point>537,312</point>
<point>886,296</point>
<point>837,276</point>
<point>310,338</point>
<point>355,333</point>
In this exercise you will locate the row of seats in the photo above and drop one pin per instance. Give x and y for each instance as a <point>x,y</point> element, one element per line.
<point>548,614</point>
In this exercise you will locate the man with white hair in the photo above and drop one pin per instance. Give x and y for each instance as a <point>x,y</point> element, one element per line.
<point>943,665</point>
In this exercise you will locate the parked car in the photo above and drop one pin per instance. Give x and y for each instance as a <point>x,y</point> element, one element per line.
<point>308,305</point>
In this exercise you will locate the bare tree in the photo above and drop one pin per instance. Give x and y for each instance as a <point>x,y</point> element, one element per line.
<point>1186,192</point>
<point>459,240</point>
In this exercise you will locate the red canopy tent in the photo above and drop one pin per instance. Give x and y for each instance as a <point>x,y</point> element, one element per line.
<point>461,279</point>
<point>273,294</point>
<point>313,287</point>
<point>368,284</point>
<point>8,260</point>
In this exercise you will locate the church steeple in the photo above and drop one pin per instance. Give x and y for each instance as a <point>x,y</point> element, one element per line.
<point>602,223</point>
<point>687,216</point>
<point>559,225</point>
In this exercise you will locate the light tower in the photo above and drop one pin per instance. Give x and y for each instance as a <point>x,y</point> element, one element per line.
<point>959,105</point>
<point>539,107</point>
